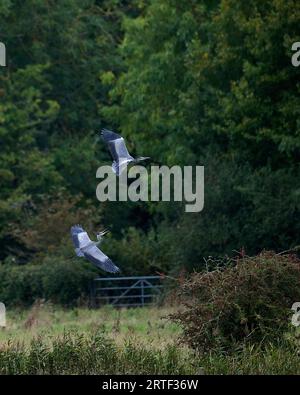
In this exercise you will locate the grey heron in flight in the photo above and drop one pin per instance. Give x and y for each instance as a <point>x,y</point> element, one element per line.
<point>119,152</point>
<point>85,247</point>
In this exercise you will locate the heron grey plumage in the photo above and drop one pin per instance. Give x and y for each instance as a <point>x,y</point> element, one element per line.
<point>117,147</point>
<point>85,247</point>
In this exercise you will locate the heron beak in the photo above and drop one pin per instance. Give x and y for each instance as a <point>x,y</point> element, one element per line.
<point>142,158</point>
<point>104,232</point>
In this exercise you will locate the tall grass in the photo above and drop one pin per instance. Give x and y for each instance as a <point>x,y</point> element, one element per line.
<point>75,353</point>
<point>96,353</point>
<point>50,340</point>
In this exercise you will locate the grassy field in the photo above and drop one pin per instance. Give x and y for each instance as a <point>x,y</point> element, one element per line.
<point>149,325</point>
<point>50,340</point>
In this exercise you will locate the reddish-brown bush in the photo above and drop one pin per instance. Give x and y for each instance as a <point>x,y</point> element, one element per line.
<point>249,300</point>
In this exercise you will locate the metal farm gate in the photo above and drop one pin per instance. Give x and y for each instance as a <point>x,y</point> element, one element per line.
<point>125,291</point>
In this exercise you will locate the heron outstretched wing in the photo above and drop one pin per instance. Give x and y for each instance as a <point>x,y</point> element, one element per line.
<point>99,259</point>
<point>116,145</point>
<point>79,236</point>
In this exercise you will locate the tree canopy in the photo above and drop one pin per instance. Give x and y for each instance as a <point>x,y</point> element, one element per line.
<point>189,83</point>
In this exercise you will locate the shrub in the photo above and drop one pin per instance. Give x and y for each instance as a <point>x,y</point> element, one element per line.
<point>135,253</point>
<point>247,301</point>
<point>56,279</point>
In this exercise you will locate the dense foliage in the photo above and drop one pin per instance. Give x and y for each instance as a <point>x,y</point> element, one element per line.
<point>248,301</point>
<point>199,83</point>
